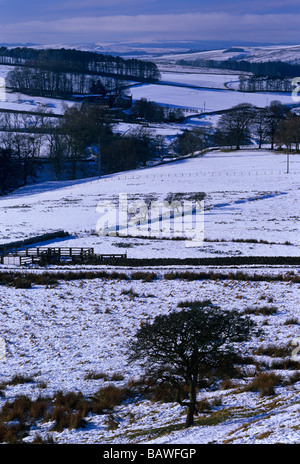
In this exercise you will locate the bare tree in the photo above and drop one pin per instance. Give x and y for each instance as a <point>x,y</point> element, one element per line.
<point>276,112</point>
<point>235,124</point>
<point>190,141</point>
<point>184,346</point>
<point>83,125</point>
<point>9,170</point>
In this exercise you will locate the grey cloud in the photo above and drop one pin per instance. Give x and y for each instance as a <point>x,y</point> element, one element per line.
<point>218,25</point>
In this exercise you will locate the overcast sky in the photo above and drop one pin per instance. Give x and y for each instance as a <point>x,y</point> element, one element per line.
<point>74,21</point>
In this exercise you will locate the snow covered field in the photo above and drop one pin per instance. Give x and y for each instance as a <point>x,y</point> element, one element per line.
<point>19,102</point>
<point>199,79</point>
<point>285,53</point>
<point>248,196</point>
<point>58,335</point>
<point>205,100</point>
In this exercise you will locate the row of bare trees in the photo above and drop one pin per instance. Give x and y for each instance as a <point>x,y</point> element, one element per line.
<point>21,142</point>
<point>85,133</point>
<point>35,81</point>
<point>51,83</point>
<point>265,84</point>
<point>82,139</point>
<point>274,125</point>
<point>148,110</point>
<point>243,122</point>
<point>66,72</point>
<point>80,62</point>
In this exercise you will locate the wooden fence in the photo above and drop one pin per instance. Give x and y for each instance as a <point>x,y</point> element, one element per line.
<point>37,255</point>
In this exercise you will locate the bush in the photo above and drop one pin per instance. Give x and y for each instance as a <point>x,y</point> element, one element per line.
<point>117,377</point>
<point>64,418</point>
<point>24,409</point>
<point>273,351</point>
<point>291,321</point>
<point>9,434</point>
<point>264,311</point>
<point>20,379</point>
<point>22,283</point>
<point>96,376</point>
<point>73,402</point>
<point>38,440</point>
<point>294,378</point>
<point>19,409</point>
<point>145,276</point>
<point>39,408</point>
<point>203,405</point>
<point>67,410</point>
<point>131,293</point>
<point>285,364</point>
<point>111,423</point>
<point>265,383</point>
<point>108,397</point>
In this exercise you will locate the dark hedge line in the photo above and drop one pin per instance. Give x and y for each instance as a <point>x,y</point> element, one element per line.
<point>267,68</point>
<point>33,240</point>
<point>216,261</point>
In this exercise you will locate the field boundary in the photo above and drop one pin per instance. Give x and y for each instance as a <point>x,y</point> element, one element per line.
<point>216,261</point>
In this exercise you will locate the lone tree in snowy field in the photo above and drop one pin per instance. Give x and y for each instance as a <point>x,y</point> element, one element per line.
<point>235,124</point>
<point>185,346</point>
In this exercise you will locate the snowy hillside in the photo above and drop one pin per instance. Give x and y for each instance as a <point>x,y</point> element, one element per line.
<point>69,332</point>
<point>71,335</point>
<point>248,196</point>
<point>204,100</point>
<point>286,53</point>
<point>163,52</point>
<point>61,337</point>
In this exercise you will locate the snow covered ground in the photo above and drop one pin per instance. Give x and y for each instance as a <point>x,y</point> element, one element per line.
<point>249,195</point>
<point>198,79</point>
<point>205,100</point>
<point>57,335</point>
<point>20,102</point>
<point>285,53</point>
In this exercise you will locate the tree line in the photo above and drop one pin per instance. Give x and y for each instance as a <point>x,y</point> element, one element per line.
<point>267,68</point>
<point>275,125</point>
<point>49,83</point>
<point>147,110</point>
<point>80,62</point>
<point>63,72</point>
<point>82,139</point>
<point>265,84</point>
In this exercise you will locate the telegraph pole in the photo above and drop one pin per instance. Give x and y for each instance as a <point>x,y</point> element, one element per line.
<point>99,159</point>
